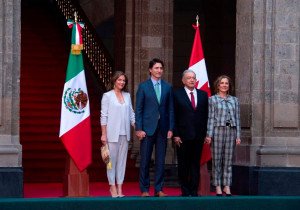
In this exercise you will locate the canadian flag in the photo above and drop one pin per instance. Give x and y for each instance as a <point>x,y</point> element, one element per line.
<point>197,64</point>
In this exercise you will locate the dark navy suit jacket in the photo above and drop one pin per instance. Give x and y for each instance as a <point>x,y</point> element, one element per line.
<point>190,124</point>
<point>149,111</point>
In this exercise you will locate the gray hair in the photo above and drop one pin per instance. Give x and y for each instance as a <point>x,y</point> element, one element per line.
<point>188,71</point>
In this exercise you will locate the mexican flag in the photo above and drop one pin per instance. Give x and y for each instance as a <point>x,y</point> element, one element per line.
<point>197,64</point>
<point>75,125</point>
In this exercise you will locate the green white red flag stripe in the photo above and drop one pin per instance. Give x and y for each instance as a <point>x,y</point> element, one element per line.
<point>197,64</point>
<point>75,125</point>
<point>76,31</point>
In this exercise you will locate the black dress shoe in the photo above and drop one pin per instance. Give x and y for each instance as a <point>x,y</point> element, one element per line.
<point>228,195</point>
<point>219,194</point>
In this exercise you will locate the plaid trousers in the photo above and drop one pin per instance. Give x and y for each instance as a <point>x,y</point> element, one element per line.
<point>223,145</point>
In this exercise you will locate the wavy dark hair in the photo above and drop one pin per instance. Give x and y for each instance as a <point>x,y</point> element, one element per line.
<point>155,61</point>
<point>218,81</point>
<point>114,78</point>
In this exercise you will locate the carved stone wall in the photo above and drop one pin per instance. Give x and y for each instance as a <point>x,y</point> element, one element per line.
<point>267,84</point>
<point>149,34</point>
<point>11,180</point>
<point>267,72</point>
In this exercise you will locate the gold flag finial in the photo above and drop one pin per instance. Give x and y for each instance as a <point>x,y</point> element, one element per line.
<point>197,20</point>
<point>75,17</point>
<point>77,46</point>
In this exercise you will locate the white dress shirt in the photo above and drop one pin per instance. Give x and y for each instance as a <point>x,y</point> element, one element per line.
<point>188,92</point>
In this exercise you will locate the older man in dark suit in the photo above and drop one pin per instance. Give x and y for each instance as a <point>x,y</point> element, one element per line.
<point>191,113</point>
<point>154,125</point>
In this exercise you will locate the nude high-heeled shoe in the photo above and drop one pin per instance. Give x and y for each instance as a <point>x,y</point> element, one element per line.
<point>120,194</point>
<point>113,191</point>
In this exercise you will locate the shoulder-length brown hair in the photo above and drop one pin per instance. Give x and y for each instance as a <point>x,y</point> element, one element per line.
<point>114,78</point>
<point>218,81</point>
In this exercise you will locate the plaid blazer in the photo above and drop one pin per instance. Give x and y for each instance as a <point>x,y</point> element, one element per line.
<point>220,110</point>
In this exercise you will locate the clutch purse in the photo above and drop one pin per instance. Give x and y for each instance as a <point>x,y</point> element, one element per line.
<point>105,156</point>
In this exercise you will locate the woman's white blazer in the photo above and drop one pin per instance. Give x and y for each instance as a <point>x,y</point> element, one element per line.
<point>110,115</point>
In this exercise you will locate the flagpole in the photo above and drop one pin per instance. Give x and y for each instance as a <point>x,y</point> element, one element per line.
<point>204,186</point>
<point>76,181</point>
<point>75,17</point>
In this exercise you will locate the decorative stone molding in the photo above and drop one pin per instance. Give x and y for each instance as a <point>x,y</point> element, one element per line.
<point>267,79</point>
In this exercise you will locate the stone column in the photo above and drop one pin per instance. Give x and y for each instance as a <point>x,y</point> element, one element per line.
<point>149,34</point>
<point>11,173</point>
<point>267,84</point>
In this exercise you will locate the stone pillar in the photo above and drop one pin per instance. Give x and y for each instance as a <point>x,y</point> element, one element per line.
<point>11,173</point>
<point>149,34</point>
<point>267,84</point>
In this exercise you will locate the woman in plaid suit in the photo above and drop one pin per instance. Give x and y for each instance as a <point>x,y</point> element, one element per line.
<point>223,132</point>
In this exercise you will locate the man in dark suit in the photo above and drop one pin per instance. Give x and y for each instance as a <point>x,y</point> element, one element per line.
<point>154,125</point>
<point>191,113</point>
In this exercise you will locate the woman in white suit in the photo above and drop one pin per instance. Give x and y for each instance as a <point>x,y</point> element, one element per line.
<point>116,116</point>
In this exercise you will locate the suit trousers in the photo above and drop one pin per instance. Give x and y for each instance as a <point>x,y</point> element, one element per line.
<point>146,148</point>
<point>118,154</point>
<point>223,145</point>
<point>188,156</point>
